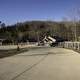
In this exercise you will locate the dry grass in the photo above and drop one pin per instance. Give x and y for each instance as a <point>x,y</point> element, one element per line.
<point>7,53</point>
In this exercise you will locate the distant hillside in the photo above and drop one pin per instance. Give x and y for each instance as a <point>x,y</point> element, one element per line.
<point>36,30</point>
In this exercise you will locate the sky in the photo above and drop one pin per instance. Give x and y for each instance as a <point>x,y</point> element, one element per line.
<point>13,11</point>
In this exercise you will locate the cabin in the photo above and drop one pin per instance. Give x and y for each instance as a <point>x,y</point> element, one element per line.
<point>51,41</point>
<point>47,41</point>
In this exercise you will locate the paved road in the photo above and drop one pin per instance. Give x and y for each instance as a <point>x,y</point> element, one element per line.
<point>42,64</point>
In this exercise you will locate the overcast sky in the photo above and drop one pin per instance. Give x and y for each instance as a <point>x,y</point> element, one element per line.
<point>12,11</point>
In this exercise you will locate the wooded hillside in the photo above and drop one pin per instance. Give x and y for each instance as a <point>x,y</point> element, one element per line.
<point>36,30</point>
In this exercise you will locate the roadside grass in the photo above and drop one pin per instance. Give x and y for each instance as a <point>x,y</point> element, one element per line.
<point>76,50</point>
<point>12,52</point>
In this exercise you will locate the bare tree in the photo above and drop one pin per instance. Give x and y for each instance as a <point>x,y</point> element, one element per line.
<point>74,18</point>
<point>0,24</point>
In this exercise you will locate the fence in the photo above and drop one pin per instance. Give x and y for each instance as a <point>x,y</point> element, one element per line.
<point>70,45</point>
<point>21,45</point>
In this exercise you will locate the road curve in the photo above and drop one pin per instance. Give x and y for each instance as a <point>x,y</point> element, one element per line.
<point>42,64</point>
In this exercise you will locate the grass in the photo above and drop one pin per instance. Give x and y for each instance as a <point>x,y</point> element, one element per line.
<point>76,50</point>
<point>7,53</point>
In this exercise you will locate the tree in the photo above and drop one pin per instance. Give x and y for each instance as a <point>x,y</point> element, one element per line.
<point>0,24</point>
<point>74,18</point>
